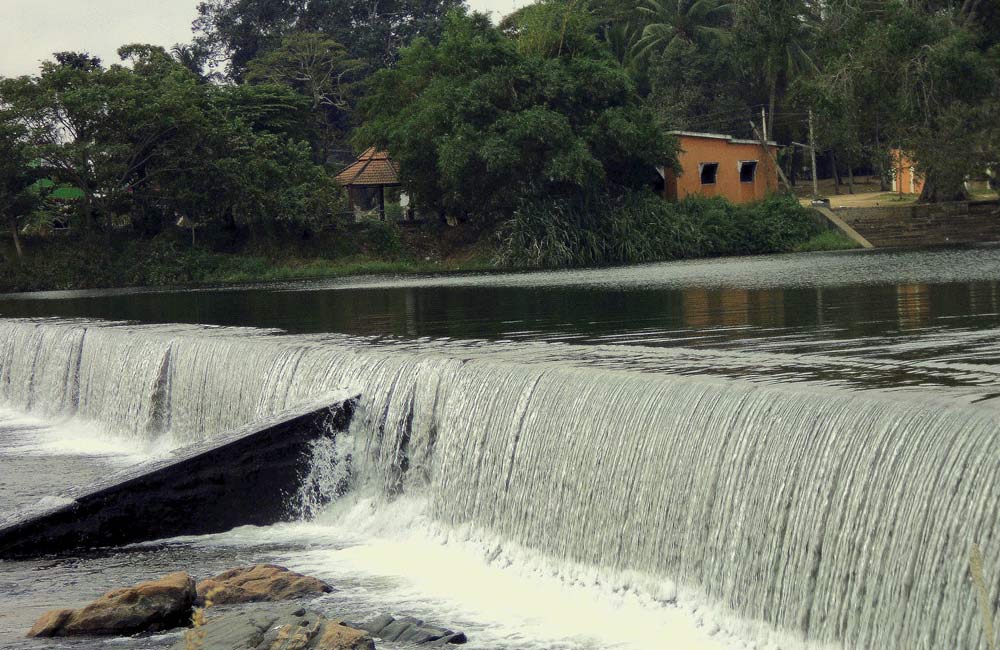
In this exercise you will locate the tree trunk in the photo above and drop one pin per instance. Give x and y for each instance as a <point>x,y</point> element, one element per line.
<point>937,192</point>
<point>836,174</point>
<point>850,178</point>
<point>769,135</point>
<point>18,248</point>
<point>879,161</point>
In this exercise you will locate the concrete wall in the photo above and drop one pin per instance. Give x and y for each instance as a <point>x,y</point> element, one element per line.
<point>243,477</point>
<point>728,153</point>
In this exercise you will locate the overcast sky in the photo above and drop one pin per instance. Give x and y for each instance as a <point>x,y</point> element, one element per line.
<point>31,30</point>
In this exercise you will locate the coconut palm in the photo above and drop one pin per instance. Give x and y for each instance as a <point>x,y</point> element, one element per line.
<point>693,21</point>
<point>779,33</point>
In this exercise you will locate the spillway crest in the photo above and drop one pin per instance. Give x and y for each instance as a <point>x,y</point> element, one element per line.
<point>843,516</point>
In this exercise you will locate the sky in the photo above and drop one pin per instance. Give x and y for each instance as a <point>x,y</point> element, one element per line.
<point>31,30</point>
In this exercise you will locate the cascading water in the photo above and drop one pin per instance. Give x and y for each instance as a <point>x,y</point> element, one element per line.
<point>843,516</point>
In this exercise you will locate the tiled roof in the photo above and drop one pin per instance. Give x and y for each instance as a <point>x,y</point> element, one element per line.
<point>371,168</point>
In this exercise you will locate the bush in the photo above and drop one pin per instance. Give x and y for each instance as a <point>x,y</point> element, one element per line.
<point>828,240</point>
<point>774,225</point>
<point>640,227</point>
<point>381,238</point>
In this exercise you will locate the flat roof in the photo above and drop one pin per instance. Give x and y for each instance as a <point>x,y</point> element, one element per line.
<point>719,136</point>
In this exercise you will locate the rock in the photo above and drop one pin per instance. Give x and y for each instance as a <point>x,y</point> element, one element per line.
<point>411,630</point>
<point>259,583</point>
<point>281,628</point>
<point>147,607</point>
<point>337,636</point>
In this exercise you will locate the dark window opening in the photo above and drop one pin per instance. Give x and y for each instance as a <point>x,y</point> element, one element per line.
<point>708,173</point>
<point>748,171</point>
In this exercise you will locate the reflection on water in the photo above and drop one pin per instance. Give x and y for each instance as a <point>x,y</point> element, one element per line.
<point>869,319</point>
<point>695,316</point>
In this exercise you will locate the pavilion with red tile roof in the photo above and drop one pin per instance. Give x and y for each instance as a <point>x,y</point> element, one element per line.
<point>373,170</point>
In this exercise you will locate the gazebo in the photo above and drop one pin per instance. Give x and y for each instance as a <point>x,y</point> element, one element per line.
<point>366,179</point>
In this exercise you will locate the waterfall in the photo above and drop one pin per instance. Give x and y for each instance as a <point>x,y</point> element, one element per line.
<point>844,516</point>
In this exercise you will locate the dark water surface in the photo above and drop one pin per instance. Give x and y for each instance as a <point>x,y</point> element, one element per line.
<point>795,301</point>
<point>878,319</point>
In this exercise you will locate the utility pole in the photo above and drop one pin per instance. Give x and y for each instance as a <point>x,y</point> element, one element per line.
<point>763,123</point>
<point>766,150</point>
<point>812,152</point>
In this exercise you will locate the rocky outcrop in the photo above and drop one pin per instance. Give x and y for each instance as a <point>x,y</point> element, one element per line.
<point>147,607</point>
<point>259,583</point>
<point>276,628</point>
<point>410,630</point>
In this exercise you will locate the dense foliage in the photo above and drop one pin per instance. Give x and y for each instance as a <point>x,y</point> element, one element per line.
<point>540,132</point>
<point>639,227</point>
<point>485,120</point>
<point>149,144</point>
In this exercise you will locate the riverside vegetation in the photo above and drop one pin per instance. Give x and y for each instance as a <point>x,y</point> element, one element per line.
<point>538,136</point>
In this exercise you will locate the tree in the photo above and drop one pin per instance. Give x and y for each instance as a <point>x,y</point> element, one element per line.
<point>480,122</point>
<point>776,37</point>
<point>151,142</point>
<point>699,88</point>
<point>373,31</point>
<point>16,175</point>
<point>319,68</point>
<point>101,129</point>
<point>196,58</point>
<point>938,105</point>
<point>670,22</point>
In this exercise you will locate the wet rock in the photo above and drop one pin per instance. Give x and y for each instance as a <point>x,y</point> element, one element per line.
<point>259,583</point>
<point>147,607</point>
<point>281,628</point>
<point>410,630</point>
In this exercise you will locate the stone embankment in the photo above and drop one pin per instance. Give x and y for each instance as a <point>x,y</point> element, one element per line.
<point>250,619</point>
<point>920,225</point>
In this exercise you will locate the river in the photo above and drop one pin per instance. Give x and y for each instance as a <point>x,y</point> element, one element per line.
<point>790,451</point>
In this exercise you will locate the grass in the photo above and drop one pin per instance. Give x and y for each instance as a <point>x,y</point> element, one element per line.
<point>828,240</point>
<point>258,269</point>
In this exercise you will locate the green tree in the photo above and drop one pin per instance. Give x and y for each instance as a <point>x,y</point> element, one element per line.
<point>318,68</point>
<point>481,122</point>
<point>675,22</point>
<point>938,104</point>
<point>16,175</point>
<point>776,38</point>
<point>372,30</point>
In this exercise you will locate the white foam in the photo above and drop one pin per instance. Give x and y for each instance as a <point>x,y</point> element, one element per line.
<point>393,557</point>
<point>28,435</point>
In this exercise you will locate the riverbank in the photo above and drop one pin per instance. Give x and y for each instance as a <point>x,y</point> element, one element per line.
<point>170,259</point>
<point>694,229</point>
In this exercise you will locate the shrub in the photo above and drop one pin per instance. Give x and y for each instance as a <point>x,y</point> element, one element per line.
<point>381,238</point>
<point>640,227</point>
<point>828,240</point>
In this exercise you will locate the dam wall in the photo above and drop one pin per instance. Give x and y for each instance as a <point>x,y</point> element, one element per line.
<point>246,476</point>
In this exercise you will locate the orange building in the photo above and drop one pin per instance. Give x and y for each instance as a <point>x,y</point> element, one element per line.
<point>720,165</point>
<point>905,178</point>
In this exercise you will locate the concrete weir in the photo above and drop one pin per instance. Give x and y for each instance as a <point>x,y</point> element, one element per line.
<point>241,477</point>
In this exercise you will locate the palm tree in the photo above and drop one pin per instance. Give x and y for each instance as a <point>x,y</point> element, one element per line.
<point>192,56</point>
<point>780,33</point>
<point>694,21</point>
<point>622,39</point>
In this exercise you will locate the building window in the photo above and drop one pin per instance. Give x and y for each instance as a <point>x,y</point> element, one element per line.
<point>708,173</point>
<point>748,171</point>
